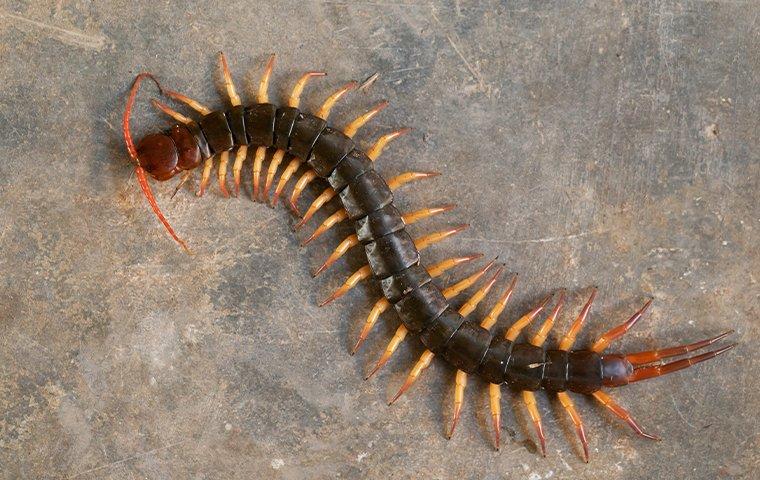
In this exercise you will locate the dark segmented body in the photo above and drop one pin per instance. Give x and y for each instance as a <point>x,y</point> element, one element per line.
<point>391,253</point>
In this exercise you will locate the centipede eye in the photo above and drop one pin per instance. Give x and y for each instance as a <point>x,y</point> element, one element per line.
<point>158,156</point>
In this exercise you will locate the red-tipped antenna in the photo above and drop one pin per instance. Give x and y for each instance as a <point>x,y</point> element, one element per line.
<point>142,178</point>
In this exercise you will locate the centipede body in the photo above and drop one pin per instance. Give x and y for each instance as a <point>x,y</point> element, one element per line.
<point>393,256</point>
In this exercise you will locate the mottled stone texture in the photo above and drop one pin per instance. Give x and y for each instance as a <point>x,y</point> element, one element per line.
<point>588,143</point>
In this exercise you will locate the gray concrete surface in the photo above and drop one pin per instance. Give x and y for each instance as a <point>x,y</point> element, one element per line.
<point>607,143</point>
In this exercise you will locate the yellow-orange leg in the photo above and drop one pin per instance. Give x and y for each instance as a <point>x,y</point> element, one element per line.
<point>258,160</point>
<point>383,304</point>
<point>205,175</point>
<point>514,331</point>
<point>530,401</point>
<point>262,95</point>
<point>494,396</point>
<point>361,120</point>
<point>195,105</point>
<point>540,337</point>
<point>569,339</point>
<point>621,413</point>
<point>163,108</point>
<point>365,271</point>
<point>224,158</point>
<point>427,356</point>
<point>353,239</point>
<point>568,405</point>
<point>375,150</point>
<point>401,331</point>
<point>228,84</point>
<point>237,167</point>
<point>289,171</point>
<point>295,96</point>
<point>329,222</point>
<point>461,377</point>
<point>618,331</point>
<point>305,179</point>
<point>324,110</point>
<point>274,164</point>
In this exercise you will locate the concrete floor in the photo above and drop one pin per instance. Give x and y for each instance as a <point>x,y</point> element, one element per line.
<point>610,143</point>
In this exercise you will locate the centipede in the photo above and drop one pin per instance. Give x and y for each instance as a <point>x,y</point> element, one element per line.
<point>286,135</point>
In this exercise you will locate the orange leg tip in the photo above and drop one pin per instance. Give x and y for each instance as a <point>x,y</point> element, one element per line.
<point>320,270</point>
<point>496,420</point>
<point>454,422</point>
<point>400,392</point>
<point>358,345</point>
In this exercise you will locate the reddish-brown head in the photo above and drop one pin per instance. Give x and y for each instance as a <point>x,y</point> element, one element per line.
<point>160,155</point>
<point>164,155</point>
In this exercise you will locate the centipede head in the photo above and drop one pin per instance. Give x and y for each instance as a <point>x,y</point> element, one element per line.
<point>161,155</point>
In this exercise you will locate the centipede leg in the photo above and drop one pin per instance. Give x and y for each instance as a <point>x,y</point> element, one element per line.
<point>205,176</point>
<point>224,158</point>
<point>530,402</point>
<point>569,338</point>
<point>361,120</point>
<point>618,331</point>
<point>165,109</point>
<point>289,171</point>
<point>642,358</point>
<point>494,396</point>
<point>228,84</point>
<point>652,371</point>
<point>237,167</point>
<point>302,182</point>
<point>258,160</point>
<point>377,148</point>
<point>568,405</point>
<point>194,104</point>
<point>621,413</point>
<point>274,164</point>
<point>324,111</point>
<point>514,331</point>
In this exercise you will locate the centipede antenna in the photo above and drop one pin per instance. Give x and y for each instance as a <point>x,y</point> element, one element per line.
<point>381,142</point>
<point>274,164</point>
<point>530,401</point>
<point>540,337</point>
<point>618,331</point>
<point>302,182</point>
<point>383,304</point>
<point>339,251</point>
<point>295,96</point>
<point>205,175</point>
<point>324,110</point>
<point>621,413</point>
<point>163,108</point>
<point>258,160</point>
<point>569,407</point>
<point>237,167</point>
<point>329,222</point>
<point>228,84</point>
<point>295,162</point>
<point>361,120</point>
<point>642,358</point>
<point>142,178</point>
<point>652,371</point>
<point>407,177</point>
<point>514,331</point>
<point>494,397</point>
<point>224,158</point>
<point>194,104</point>
<point>263,94</point>
<point>569,339</point>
